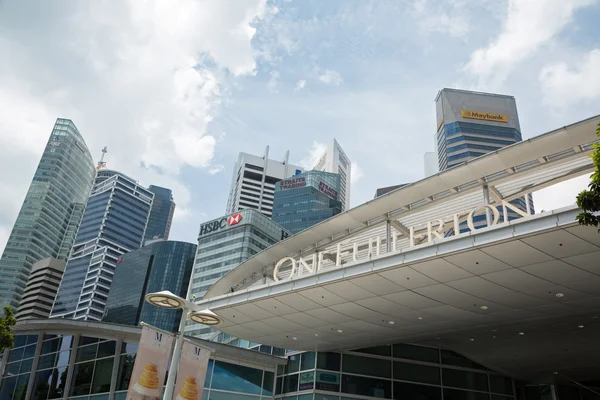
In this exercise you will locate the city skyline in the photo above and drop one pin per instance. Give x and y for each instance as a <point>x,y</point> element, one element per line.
<point>301,74</point>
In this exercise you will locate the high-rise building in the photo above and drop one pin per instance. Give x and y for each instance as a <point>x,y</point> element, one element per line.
<point>41,288</point>
<point>254,179</point>
<point>334,160</point>
<point>114,223</point>
<point>51,210</point>
<point>161,214</point>
<point>306,199</point>
<point>387,189</point>
<point>162,265</point>
<point>471,124</point>
<point>223,244</point>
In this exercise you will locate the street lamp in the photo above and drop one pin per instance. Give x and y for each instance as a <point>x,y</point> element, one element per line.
<point>168,300</point>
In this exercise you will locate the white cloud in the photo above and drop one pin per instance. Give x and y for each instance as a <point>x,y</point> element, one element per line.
<point>314,155</point>
<point>301,84</point>
<point>216,169</point>
<point>331,77</point>
<point>528,26</point>
<point>563,86</point>
<point>446,17</point>
<point>357,173</point>
<point>273,81</point>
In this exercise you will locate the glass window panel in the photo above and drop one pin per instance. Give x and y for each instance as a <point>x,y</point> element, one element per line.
<point>58,383</point>
<point>409,391</point>
<point>308,360</point>
<point>29,351</point>
<point>102,375</point>
<point>86,353</point>
<point>7,388</point>
<point>13,368</point>
<point>20,340</point>
<point>330,361</point>
<point>267,386</point>
<point>41,385</point>
<point>464,379</point>
<point>305,396</point>
<point>15,354</point>
<point>106,349</point>
<point>417,353</point>
<point>21,387</point>
<point>216,395</point>
<point>367,366</point>
<point>236,378</point>
<point>307,380</point>
<point>99,397</point>
<point>416,373</point>
<point>65,343</point>
<point>26,365</point>
<point>453,394</point>
<point>373,387</point>
<point>452,358</point>
<point>290,398</point>
<point>85,340</point>
<point>129,347</point>
<point>501,384</point>
<point>62,359</point>
<point>290,383</point>
<point>50,346</point>
<point>279,385</point>
<point>378,350</point>
<point>125,369</point>
<point>122,396</point>
<point>32,339</point>
<point>325,397</point>
<point>328,381</point>
<point>209,370</point>
<point>82,379</point>
<point>293,364</point>
<point>46,361</point>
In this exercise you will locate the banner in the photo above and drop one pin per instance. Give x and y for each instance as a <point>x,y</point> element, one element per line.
<point>191,373</point>
<point>150,368</point>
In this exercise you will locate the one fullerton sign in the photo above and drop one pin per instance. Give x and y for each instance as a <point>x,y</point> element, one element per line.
<point>437,229</point>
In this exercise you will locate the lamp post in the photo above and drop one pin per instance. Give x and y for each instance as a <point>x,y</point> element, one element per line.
<point>168,300</point>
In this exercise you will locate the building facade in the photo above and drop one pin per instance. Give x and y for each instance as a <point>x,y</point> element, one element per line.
<point>253,182</point>
<point>51,210</point>
<point>334,160</point>
<point>114,223</point>
<point>161,214</point>
<point>223,244</point>
<point>163,265</point>
<point>387,189</point>
<point>306,199</point>
<point>41,289</point>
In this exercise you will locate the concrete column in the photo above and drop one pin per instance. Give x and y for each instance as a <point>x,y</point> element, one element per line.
<point>115,371</point>
<point>72,358</point>
<point>388,237</point>
<point>36,359</point>
<point>486,200</point>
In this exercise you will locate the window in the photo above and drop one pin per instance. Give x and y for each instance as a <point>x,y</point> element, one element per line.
<point>290,383</point>
<point>82,378</point>
<point>330,361</point>
<point>416,373</point>
<point>452,394</point>
<point>367,386</point>
<point>366,366</point>
<point>379,351</point>
<point>452,358</point>
<point>236,377</point>
<point>421,392</point>
<point>417,353</point>
<point>465,379</point>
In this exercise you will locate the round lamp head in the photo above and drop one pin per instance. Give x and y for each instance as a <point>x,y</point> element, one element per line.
<point>165,299</point>
<point>205,317</point>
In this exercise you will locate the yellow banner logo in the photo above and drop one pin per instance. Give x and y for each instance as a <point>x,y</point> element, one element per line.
<point>484,116</point>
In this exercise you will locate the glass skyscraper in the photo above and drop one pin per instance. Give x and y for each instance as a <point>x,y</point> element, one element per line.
<point>306,199</point>
<point>161,214</point>
<point>51,211</point>
<point>114,223</point>
<point>163,265</point>
<point>223,244</point>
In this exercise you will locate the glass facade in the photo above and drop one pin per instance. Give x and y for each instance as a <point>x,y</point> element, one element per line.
<point>306,199</point>
<point>161,214</point>
<point>222,245</point>
<point>114,223</point>
<point>158,266</point>
<point>51,210</point>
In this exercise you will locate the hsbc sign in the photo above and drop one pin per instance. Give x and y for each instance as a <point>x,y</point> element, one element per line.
<point>219,224</point>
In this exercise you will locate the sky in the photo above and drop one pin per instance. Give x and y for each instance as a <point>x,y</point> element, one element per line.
<point>175,89</point>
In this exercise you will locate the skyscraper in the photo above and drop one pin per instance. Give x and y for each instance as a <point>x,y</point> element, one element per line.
<point>306,199</point>
<point>334,160</point>
<point>472,124</point>
<point>41,289</point>
<point>162,265</point>
<point>254,179</point>
<point>114,223</point>
<point>51,210</point>
<point>161,214</point>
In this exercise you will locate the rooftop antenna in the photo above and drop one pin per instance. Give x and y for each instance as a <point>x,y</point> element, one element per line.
<point>102,163</point>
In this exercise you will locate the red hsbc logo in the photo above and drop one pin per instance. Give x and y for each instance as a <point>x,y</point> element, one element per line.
<point>234,219</point>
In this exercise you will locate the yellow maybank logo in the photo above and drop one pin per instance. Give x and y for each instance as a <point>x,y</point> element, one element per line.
<point>484,116</point>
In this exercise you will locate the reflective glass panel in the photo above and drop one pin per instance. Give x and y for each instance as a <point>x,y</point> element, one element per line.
<point>417,353</point>
<point>293,364</point>
<point>367,366</point>
<point>290,383</point>
<point>416,373</point>
<point>330,361</point>
<point>125,369</point>
<point>501,384</point>
<point>464,379</point>
<point>268,380</point>
<point>58,383</point>
<point>409,391</point>
<point>453,394</point>
<point>237,378</point>
<point>378,350</point>
<point>308,360</point>
<point>373,387</point>
<point>82,379</point>
<point>102,375</point>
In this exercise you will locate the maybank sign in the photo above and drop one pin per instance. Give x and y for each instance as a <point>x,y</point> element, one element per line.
<point>438,229</point>
<point>484,116</point>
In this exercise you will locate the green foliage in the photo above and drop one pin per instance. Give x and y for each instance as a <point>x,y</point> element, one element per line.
<point>589,200</point>
<point>7,340</point>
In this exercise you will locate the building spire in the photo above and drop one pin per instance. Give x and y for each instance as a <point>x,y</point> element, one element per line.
<point>102,163</point>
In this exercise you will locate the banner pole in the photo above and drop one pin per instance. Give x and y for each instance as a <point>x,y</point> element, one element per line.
<point>170,387</point>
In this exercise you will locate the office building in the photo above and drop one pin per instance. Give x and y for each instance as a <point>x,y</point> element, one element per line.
<point>223,244</point>
<point>161,214</point>
<point>114,223</point>
<point>51,210</point>
<point>472,124</point>
<point>41,288</point>
<point>306,199</point>
<point>334,160</point>
<point>162,265</point>
<point>387,189</point>
<point>253,182</point>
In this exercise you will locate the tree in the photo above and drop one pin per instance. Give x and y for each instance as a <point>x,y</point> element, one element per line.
<point>589,200</point>
<point>7,340</point>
